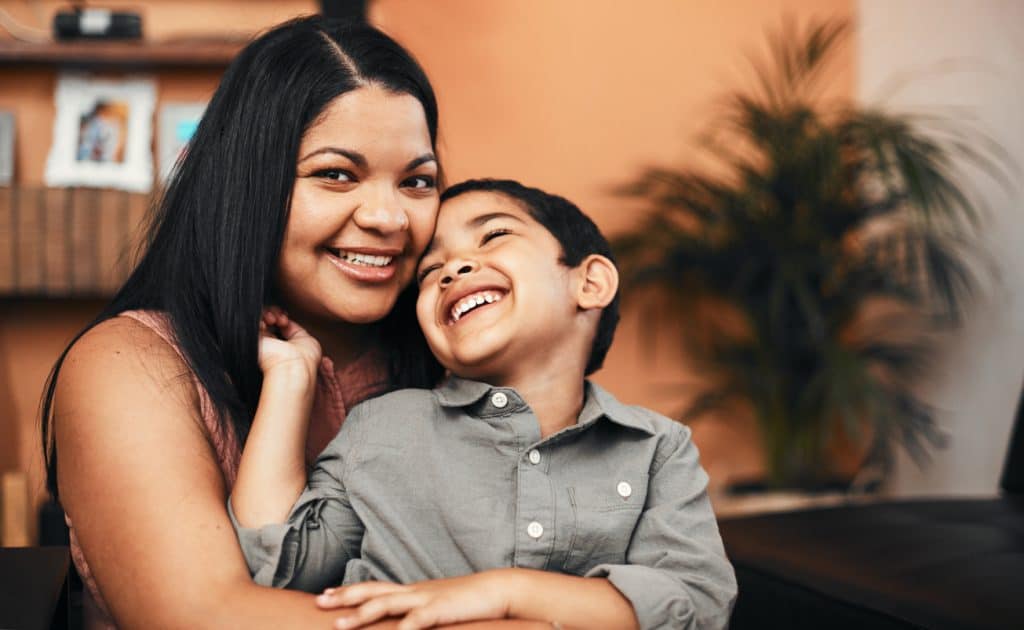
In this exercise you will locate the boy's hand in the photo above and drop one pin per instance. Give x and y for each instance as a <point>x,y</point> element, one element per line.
<point>286,345</point>
<point>423,604</point>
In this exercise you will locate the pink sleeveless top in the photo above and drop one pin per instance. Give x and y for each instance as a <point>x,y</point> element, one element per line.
<point>338,389</point>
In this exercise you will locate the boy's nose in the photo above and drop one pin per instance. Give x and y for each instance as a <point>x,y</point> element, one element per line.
<point>456,268</point>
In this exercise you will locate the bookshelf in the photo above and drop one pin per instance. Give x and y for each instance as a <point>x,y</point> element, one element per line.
<point>79,242</point>
<point>67,242</point>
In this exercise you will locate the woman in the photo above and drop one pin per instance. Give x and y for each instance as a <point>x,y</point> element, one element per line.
<point>311,182</point>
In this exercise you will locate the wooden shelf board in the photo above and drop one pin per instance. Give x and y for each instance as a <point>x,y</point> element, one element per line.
<point>183,53</point>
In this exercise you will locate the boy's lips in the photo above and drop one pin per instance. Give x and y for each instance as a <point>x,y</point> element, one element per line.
<point>468,300</point>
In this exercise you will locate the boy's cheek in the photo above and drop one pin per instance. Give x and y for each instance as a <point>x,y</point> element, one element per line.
<point>425,310</point>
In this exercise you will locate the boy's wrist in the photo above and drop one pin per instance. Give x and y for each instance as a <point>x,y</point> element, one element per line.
<point>514,587</point>
<point>290,376</point>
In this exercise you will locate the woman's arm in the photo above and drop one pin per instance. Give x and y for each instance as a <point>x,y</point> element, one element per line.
<point>141,483</point>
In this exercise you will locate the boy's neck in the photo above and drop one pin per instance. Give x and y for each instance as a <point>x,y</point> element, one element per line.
<point>554,395</point>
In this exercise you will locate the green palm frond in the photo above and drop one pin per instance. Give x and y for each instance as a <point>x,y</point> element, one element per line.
<point>838,239</point>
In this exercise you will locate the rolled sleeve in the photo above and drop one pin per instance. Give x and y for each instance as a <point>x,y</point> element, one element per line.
<point>309,551</point>
<point>676,573</point>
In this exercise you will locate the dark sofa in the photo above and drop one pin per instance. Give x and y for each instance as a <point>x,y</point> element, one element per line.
<point>950,563</point>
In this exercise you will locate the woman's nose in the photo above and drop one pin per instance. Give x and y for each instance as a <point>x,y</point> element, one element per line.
<point>381,215</point>
<point>456,268</point>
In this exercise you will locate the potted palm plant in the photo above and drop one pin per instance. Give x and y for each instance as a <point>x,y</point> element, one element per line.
<point>812,264</point>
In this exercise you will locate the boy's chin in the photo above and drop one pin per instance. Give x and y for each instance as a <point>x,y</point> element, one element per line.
<point>490,372</point>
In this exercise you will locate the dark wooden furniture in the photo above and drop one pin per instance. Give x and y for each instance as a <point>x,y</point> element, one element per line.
<point>34,588</point>
<point>943,564</point>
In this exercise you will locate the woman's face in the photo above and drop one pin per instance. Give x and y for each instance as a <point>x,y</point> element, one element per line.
<point>362,209</point>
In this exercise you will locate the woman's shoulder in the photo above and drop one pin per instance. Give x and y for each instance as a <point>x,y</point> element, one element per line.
<point>127,355</point>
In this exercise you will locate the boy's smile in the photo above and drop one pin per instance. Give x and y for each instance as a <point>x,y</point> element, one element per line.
<point>495,300</point>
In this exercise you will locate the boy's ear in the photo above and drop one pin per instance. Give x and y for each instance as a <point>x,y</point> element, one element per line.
<point>599,282</point>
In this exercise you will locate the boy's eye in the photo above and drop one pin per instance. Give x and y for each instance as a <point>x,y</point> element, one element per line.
<point>335,174</point>
<point>493,234</point>
<point>426,271</point>
<point>419,182</point>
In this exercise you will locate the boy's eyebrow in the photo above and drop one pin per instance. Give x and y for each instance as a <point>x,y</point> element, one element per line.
<point>360,160</point>
<point>490,216</point>
<point>474,222</point>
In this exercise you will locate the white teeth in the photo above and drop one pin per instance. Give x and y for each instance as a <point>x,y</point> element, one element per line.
<point>365,259</point>
<point>470,302</point>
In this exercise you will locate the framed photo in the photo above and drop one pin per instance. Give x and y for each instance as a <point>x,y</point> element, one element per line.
<point>6,148</point>
<point>102,134</point>
<point>176,124</point>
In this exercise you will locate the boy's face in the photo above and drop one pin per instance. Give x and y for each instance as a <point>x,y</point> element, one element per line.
<point>494,299</point>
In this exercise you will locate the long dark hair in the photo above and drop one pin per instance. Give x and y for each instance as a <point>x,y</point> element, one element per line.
<point>212,246</point>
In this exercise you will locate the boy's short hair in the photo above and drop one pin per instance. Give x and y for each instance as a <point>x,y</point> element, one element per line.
<point>575,232</point>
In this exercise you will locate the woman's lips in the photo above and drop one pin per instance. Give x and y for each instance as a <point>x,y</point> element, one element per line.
<point>360,271</point>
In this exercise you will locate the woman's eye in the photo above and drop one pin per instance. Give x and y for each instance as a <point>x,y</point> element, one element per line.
<point>335,174</point>
<point>493,234</point>
<point>426,271</point>
<point>419,182</point>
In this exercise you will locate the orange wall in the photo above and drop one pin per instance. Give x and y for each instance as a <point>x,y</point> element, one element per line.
<point>573,96</point>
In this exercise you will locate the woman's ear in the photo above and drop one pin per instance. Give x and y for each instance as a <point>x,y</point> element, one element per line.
<point>599,282</point>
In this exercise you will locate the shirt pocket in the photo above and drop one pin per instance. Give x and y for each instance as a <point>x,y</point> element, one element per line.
<point>605,514</point>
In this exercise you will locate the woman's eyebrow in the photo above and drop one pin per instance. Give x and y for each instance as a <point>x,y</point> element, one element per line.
<point>356,157</point>
<point>423,159</point>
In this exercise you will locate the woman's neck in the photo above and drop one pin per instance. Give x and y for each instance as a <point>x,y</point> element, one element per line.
<point>342,342</point>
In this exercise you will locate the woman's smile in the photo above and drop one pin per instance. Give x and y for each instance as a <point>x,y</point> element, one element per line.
<point>366,265</point>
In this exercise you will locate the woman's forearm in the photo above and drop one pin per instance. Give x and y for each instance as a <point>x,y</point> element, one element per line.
<point>272,471</point>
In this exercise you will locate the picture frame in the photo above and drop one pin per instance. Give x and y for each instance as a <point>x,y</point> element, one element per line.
<point>7,130</point>
<point>176,123</point>
<point>102,134</point>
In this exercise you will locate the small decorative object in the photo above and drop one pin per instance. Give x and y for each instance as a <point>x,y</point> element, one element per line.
<point>102,134</point>
<point>6,148</point>
<point>97,23</point>
<point>177,123</point>
<point>811,269</point>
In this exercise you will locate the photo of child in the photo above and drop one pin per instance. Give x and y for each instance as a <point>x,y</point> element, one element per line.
<point>102,132</point>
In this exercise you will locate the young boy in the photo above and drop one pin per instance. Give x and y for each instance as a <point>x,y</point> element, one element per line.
<point>514,461</point>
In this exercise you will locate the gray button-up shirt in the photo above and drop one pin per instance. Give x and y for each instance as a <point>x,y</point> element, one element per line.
<point>422,484</point>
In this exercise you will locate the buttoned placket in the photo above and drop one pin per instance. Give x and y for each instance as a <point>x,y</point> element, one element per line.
<point>535,501</point>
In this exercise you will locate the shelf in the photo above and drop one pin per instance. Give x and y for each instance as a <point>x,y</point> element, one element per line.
<point>181,53</point>
<point>67,242</point>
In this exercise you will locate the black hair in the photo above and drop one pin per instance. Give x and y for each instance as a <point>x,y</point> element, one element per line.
<point>575,232</point>
<point>212,245</point>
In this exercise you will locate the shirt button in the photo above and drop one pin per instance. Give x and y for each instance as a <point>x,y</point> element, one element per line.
<point>499,400</point>
<point>624,489</point>
<point>534,456</point>
<point>535,530</point>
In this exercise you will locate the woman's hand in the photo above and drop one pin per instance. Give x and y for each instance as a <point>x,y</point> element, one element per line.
<point>427,604</point>
<point>286,345</point>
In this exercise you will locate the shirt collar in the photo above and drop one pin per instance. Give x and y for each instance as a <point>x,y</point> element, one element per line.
<point>461,392</point>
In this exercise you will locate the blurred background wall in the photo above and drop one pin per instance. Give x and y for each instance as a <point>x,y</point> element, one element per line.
<point>575,96</point>
<point>965,60</point>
